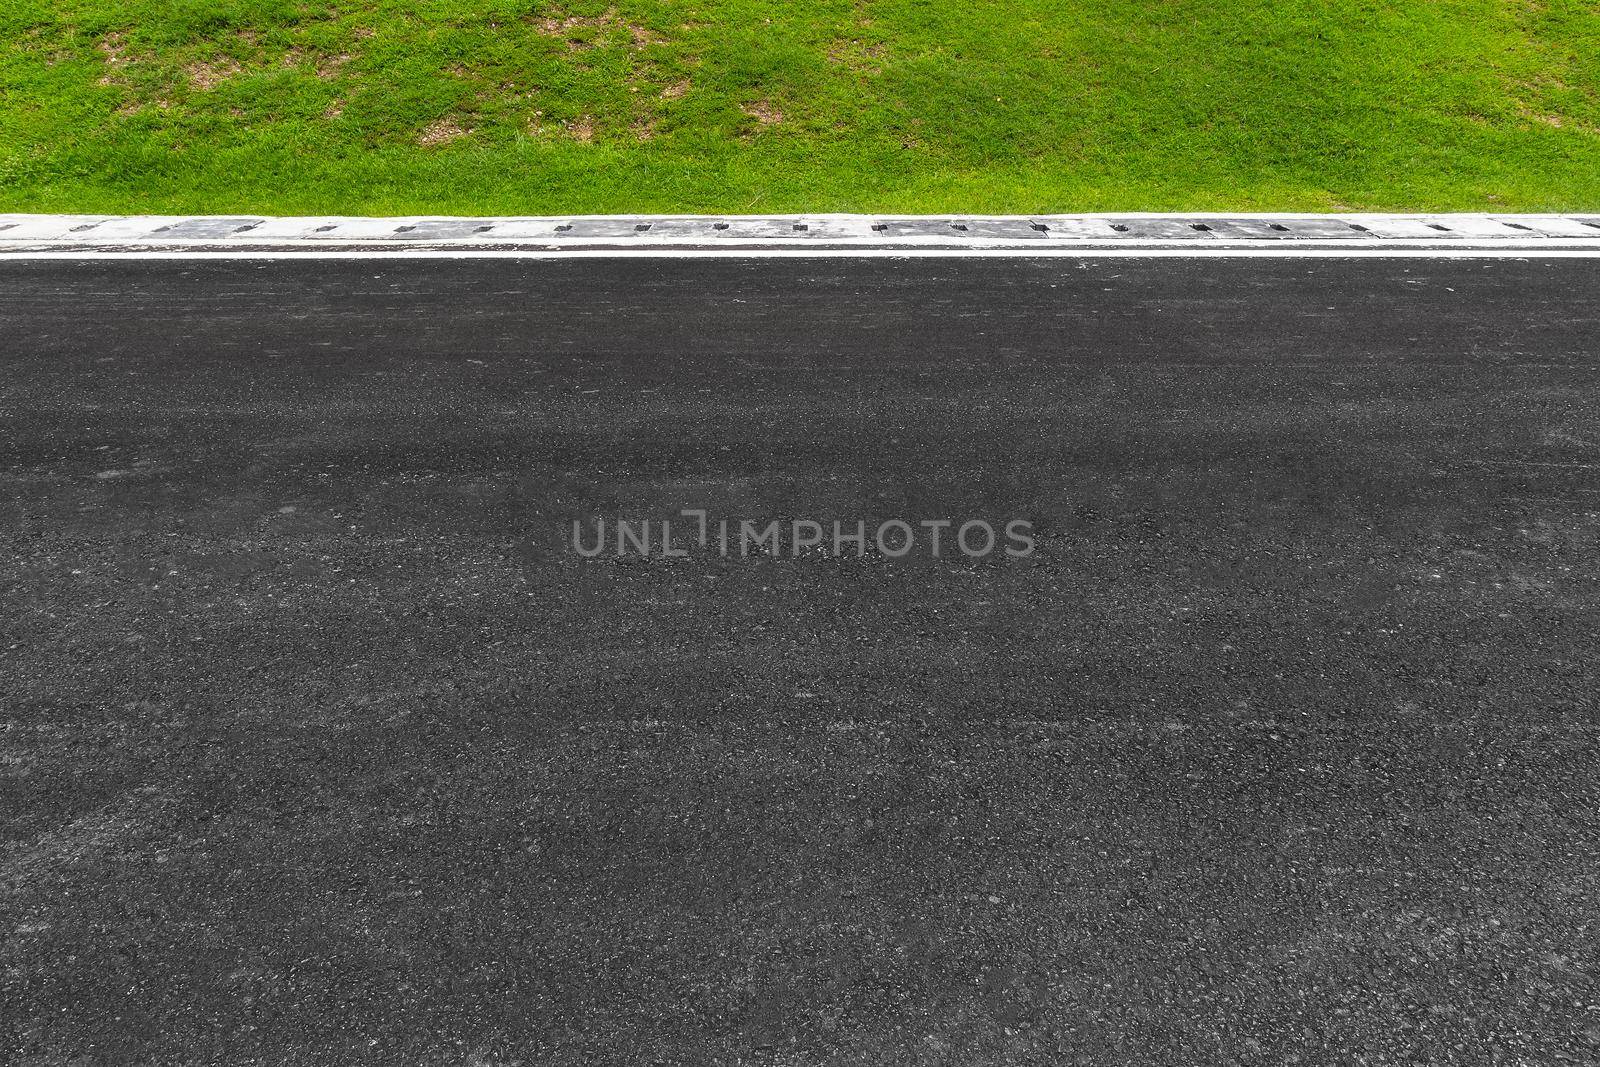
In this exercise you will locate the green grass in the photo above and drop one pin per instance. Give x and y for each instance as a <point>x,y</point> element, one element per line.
<point>520,106</point>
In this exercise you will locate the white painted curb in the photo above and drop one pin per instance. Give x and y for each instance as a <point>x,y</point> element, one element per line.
<point>80,235</point>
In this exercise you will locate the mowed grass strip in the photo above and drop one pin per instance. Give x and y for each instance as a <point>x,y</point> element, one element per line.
<point>519,106</point>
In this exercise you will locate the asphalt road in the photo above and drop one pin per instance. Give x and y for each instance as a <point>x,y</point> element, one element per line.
<point>322,746</point>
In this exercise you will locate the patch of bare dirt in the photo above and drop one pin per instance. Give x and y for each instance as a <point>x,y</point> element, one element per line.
<point>856,55</point>
<point>763,112</point>
<point>204,76</point>
<point>1556,120</point>
<point>325,65</point>
<point>639,37</point>
<point>1542,113</point>
<point>441,132</point>
<point>583,128</point>
<point>675,89</point>
<point>114,48</point>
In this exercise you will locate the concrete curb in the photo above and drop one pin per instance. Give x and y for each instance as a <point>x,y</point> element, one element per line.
<point>113,233</point>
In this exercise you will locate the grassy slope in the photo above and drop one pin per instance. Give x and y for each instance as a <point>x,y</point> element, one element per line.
<point>519,106</point>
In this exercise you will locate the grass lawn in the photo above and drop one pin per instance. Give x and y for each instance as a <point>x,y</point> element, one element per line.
<point>521,106</point>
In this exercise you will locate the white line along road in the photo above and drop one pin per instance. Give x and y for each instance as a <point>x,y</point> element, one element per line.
<point>76,236</point>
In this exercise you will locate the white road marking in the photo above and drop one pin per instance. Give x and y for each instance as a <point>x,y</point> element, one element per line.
<point>1495,250</point>
<point>829,236</point>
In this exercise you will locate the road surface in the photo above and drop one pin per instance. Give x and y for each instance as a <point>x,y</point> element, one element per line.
<point>322,745</point>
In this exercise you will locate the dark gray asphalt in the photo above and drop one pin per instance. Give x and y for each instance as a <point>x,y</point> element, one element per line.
<point>320,747</point>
